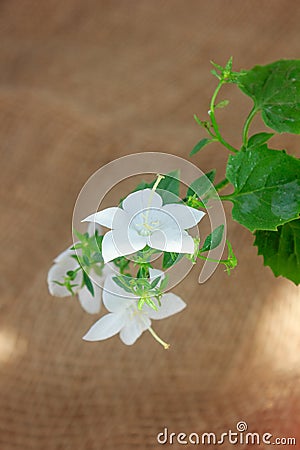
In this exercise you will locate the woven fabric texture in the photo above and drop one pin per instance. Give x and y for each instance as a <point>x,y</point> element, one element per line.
<point>83,83</point>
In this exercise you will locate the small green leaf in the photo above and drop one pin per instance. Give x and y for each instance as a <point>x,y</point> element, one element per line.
<point>164,283</point>
<point>86,260</point>
<point>171,182</point>
<point>170,259</point>
<point>259,139</point>
<point>155,282</point>
<point>88,283</point>
<point>202,185</point>
<point>121,281</point>
<point>200,145</point>
<point>222,104</point>
<point>281,250</point>
<point>213,239</point>
<point>267,187</point>
<point>275,90</point>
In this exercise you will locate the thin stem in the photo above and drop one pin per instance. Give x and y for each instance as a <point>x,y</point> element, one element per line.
<point>158,339</point>
<point>214,122</point>
<point>247,125</point>
<point>222,261</point>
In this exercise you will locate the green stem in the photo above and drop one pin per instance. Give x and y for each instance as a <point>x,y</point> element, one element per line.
<point>222,261</point>
<point>214,122</point>
<point>247,125</point>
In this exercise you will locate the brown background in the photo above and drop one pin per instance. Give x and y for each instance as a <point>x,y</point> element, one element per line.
<point>82,83</point>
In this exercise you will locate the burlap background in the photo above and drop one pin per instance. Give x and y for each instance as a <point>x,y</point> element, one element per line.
<point>82,83</point>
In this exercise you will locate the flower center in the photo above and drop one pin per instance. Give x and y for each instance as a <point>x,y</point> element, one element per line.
<point>145,226</point>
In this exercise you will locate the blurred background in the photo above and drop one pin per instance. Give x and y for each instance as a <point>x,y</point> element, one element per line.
<point>83,83</point>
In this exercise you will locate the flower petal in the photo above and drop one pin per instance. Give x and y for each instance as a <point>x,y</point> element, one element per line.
<point>170,304</point>
<point>139,200</point>
<point>133,328</point>
<point>109,218</point>
<point>185,216</point>
<point>171,240</point>
<point>57,273</point>
<point>121,242</point>
<point>90,303</point>
<point>65,256</point>
<point>155,273</point>
<point>107,326</point>
<point>115,298</point>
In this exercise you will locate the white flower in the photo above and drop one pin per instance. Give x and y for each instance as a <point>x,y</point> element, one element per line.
<point>144,220</point>
<point>125,318</point>
<point>62,264</point>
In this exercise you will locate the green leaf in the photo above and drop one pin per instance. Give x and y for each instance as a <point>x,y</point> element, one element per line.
<point>259,139</point>
<point>155,282</point>
<point>88,283</point>
<point>200,145</point>
<point>86,260</point>
<point>281,250</point>
<point>123,282</point>
<point>171,182</point>
<point>275,90</point>
<point>213,239</point>
<point>267,187</point>
<point>202,184</point>
<point>222,104</point>
<point>171,258</point>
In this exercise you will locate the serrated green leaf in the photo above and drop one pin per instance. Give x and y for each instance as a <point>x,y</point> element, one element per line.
<point>202,184</point>
<point>200,145</point>
<point>259,139</point>
<point>267,187</point>
<point>275,90</point>
<point>281,250</point>
<point>213,239</point>
<point>88,283</point>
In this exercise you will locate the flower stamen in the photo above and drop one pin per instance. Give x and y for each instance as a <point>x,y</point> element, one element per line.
<point>158,339</point>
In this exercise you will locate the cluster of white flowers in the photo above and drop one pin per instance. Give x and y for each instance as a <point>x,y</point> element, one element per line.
<point>142,220</point>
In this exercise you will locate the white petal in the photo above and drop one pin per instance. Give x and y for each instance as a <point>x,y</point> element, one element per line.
<point>155,273</point>
<point>107,326</point>
<point>186,216</point>
<point>133,329</point>
<point>137,201</point>
<point>171,240</point>
<point>115,298</point>
<point>92,227</point>
<point>65,256</point>
<point>121,242</point>
<point>57,273</point>
<point>170,304</point>
<point>109,218</point>
<point>90,303</point>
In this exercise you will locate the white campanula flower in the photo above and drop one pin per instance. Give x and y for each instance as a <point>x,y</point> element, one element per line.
<point>126,318</point>
<point>64,263</point>
<point>144,220</point>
